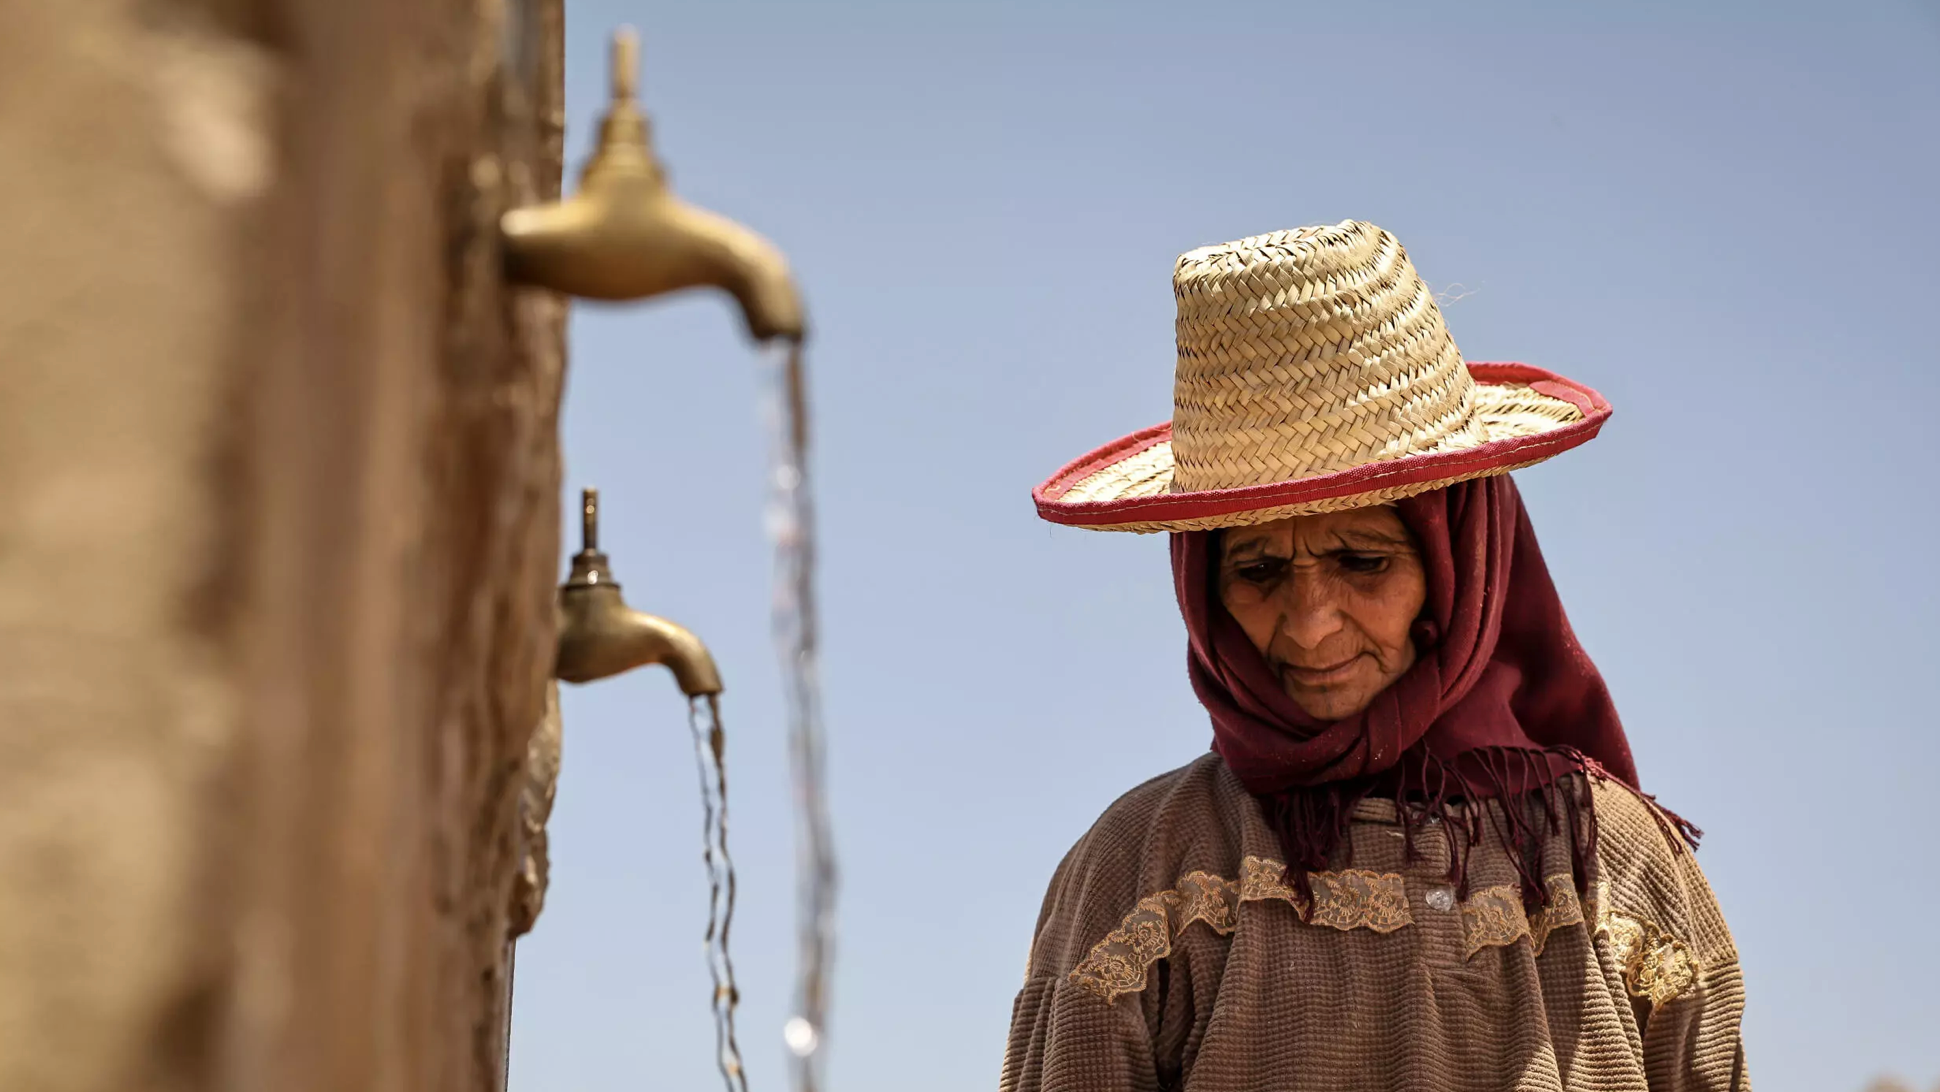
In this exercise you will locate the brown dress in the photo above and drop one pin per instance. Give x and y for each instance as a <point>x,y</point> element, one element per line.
<point>1169,955</point>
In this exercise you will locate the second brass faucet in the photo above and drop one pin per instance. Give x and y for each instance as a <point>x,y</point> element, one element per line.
<point>600,636</point>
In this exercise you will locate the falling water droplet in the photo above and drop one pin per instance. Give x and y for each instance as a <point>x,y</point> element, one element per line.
<point>800,1036</point>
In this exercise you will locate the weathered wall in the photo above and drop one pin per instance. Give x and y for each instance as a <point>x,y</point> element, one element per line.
<point>278,533</point>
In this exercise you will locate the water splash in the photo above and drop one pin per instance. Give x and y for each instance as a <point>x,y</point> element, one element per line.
<point>710,752</point>
<point>791,527</point>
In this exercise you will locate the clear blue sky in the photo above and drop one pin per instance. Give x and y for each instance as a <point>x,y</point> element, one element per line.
<point>1723,217</point>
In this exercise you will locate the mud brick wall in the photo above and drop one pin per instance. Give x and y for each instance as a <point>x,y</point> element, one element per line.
<point>278,536</point>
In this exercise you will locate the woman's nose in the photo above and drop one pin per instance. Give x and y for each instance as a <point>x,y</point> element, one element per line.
<point>1311,614</point>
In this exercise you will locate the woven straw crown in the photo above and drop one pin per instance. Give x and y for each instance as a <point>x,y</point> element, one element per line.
<point>1306,351</point>
<point>1306,355</point>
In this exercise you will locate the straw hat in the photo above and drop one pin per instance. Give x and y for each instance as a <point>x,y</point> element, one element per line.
<point>1315,374</point>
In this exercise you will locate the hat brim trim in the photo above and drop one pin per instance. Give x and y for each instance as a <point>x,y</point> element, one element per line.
<point>1393,477</point>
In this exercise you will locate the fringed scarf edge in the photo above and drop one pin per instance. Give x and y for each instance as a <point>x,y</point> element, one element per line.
<point>1539,797</point>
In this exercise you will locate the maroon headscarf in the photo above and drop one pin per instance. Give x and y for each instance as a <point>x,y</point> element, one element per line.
<point>1501,700</point>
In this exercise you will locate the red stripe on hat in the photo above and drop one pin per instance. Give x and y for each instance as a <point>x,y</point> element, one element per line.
<point>1407,470</point>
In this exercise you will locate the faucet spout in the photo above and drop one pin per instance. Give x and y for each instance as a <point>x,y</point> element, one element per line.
<point>625,236</point>
<point>714,250</point>
<point>600,636</point>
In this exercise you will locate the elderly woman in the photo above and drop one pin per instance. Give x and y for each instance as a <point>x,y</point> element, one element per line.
<point>1417,856</point>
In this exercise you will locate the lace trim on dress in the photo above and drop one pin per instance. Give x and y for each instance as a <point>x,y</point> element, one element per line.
<point>1353,898</point>
<point>1349,899</point>
<point>1493,917</point>
<point>1657,966</point>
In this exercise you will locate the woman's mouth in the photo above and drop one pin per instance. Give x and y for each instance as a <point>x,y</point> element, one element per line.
<point>1325,674</point>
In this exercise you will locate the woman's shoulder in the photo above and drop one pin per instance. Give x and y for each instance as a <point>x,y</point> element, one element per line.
<point>1632,833</point>
<point>1183,821</point>
<point>1188,796</point>
<point>1191,818</point>
<point>1648,881</point>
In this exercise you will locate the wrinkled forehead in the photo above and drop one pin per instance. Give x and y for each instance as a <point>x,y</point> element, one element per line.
<point>1373,527</point>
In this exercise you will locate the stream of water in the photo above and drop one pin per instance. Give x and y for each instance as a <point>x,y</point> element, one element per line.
<point>791,528</point>
<point>710,750</point>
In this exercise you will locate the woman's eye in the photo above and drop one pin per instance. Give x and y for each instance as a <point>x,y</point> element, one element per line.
<point>1363,563</point>
<point>1261,572</point>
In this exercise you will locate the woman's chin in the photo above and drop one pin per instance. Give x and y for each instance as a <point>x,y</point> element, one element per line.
<point>1334,702</point>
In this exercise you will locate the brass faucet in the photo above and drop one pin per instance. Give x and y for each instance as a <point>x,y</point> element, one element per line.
<point>600,636</point>
<point>625,236</point>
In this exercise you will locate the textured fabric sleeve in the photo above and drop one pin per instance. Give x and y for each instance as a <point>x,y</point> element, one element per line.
<point>1664,936</point>
<point>1693,1041</point>
<point>1065,1037</point>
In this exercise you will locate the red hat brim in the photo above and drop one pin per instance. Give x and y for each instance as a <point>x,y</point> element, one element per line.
<point>1375,482</point>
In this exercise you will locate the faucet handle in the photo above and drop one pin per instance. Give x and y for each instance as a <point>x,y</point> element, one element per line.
<point>590,566</point>
<point>589,520</point>
<point>626,64</point>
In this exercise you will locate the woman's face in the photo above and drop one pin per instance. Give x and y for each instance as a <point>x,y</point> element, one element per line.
<point>1329,601</point>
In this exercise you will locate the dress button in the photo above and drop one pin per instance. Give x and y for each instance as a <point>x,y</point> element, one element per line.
<point>1441,898</point>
